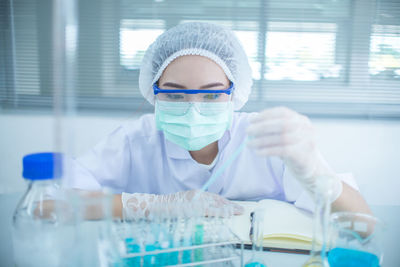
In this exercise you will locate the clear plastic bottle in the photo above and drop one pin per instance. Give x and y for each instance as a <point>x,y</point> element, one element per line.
<point>41,236</point>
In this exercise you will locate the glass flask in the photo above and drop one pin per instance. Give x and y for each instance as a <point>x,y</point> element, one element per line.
<point>356,240</point>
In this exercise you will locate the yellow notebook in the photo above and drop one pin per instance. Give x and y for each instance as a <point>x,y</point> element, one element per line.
<point>286,227</point>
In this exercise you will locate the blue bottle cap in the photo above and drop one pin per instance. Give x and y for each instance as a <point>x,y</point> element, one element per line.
<point>41,166</point>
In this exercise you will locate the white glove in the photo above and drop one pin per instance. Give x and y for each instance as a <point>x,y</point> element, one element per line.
<point>285,133</point>
<point>139,205</point>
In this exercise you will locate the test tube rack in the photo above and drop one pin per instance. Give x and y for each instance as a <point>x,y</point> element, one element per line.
<point>200,253</point>
<point>231,256</point>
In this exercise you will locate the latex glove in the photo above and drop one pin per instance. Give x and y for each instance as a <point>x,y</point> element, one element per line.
<point>287,134</point>
<point>206,204</point>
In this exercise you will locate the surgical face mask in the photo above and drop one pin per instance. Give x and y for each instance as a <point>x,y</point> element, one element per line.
<point>193,125</point>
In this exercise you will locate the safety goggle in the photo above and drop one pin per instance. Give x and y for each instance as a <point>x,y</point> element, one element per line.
<point>181,108</point>
<point>193,95</point>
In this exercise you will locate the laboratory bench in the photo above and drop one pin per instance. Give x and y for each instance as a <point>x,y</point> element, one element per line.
<point>390,215</point>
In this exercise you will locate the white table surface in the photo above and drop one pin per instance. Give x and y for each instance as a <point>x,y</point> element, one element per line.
<point>389,214</point>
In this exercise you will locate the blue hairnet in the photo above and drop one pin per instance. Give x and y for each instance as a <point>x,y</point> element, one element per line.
<point>198,38</point>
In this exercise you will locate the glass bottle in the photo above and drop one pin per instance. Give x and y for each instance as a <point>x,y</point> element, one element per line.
<point>42,226</point>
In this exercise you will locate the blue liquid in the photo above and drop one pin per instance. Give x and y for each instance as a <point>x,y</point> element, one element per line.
<point>131,247</point>
<point>254,264</point>
<point>150,260</point>
<point>187,256</point>
<point>198,240</point>
<point>173,256</point>
<point>341,257</point>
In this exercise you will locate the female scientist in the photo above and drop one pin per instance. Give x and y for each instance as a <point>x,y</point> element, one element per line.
<point>197,75</point>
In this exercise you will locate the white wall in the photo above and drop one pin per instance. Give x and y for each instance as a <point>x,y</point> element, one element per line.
<point>370,149</point>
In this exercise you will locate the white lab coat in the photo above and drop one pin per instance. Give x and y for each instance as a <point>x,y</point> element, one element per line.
<point>137,158</point>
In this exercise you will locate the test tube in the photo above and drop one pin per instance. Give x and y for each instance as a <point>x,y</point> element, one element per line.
<point>198,232</point>
<point>322,196</point>
<point>257,238</point>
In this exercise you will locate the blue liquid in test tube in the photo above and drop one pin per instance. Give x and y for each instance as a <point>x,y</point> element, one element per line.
<point>132,247</point>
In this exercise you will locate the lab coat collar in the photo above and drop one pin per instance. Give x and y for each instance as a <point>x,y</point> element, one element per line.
<point>177,152</point>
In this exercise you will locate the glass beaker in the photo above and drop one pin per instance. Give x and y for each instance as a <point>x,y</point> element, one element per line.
<point>355,240</point>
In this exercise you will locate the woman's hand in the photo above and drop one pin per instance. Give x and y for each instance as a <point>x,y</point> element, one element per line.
<point>186,203</point>
<point>209,204</point>
<point>287,134</point>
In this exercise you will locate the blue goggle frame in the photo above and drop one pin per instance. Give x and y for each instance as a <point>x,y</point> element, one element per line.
<point>227,91</point>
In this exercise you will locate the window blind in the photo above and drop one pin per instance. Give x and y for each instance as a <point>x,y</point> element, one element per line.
<point>319,57</point>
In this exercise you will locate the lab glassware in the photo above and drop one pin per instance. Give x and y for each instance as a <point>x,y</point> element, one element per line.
<point>43,223</point>
<point>322,198</point>
<point>257,237</point>
<point>97,246</point>
<point>355,240</point>
<point>178,237</point>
